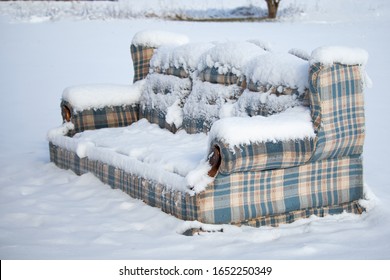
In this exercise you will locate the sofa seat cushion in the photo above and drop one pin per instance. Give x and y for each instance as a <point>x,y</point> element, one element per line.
<point>143,149</point>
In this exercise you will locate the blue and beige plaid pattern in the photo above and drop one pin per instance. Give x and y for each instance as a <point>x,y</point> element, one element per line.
<point>196,125</point>
<point>337,104</point>
<point>159,95</point>
<point>350,207</point>
<point>261,183</point>
<point>178,72</point>
<point>154,115</point>
<point>141,56</point>
<point>152,193</point>
<point>242,196</point>
<point>263,155</point>
<point>251,198</point>
<point>116,116</point>
<point>212,75</point>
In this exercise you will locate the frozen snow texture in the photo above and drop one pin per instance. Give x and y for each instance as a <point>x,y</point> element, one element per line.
<point>263,103</point>
<point>300,53</point>
<point>198,178</point>
<point>278,69</point>
<point>157,38</point>
<point>262,44</point>
<point>61,130</point>
<point>339,54</point>
<point>175,114</point>
<point>95,96</point>
<point>163,91</point>
<point>292,124</point>
<point>207,100</point>
<point>184,56</point>
<point>229,56</point>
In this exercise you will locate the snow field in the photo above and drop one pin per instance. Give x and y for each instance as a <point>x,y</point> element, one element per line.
<point>48,213</point>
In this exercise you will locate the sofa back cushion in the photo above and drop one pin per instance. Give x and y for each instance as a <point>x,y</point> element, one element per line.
<point>178,60</point>
<point>162,100</point>
<point>274,82</point>
<point>217,84</point>
<point>207,103</point>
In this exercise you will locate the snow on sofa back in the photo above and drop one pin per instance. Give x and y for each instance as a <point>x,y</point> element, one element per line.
<point>168,83</point>
<point>217,84</point>
<point>143,45</point>
<point>192,85</point>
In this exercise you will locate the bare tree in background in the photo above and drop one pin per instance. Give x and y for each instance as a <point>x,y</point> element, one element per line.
<point>272,7</point>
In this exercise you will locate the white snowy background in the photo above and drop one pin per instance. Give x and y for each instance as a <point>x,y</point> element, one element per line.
<point>49,213</point>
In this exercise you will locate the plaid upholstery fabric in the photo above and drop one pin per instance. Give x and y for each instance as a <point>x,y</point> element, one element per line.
<point>337,103</point>
<point>182,206</point>
<point>211,75</point>
<point>264,156</point>
<point>252,103</point>
<point>115,116</point>
<point>275,220</point>
<point>141,56</point>
<point>264,109</point>
<point>196,125</point>
<point>154,115</point>
<point>178,72</point>
<point>250,198</point>
<point>249,195</point>
<point>259,184</point>
<point>256,87</point>
<point>159,94</point>
<point>205,104</point>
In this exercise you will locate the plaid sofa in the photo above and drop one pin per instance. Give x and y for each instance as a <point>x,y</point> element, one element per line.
<point>257,184</point>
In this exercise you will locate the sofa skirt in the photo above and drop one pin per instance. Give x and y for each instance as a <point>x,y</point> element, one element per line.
<point>263,198</point>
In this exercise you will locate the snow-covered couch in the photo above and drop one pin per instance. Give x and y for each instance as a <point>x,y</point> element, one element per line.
<point>229,132</point>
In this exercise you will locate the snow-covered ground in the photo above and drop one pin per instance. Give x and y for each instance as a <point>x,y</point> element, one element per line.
<point>49,213</point>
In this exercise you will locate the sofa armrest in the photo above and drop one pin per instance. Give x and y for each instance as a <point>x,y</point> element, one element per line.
<point>261,143</point>
<point>100,106</point>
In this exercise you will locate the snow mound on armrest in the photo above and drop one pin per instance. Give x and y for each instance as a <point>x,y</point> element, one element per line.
<point>293,124</point>
<point>156,38</point>
<point>338,54</point>
<point>85,97</point>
